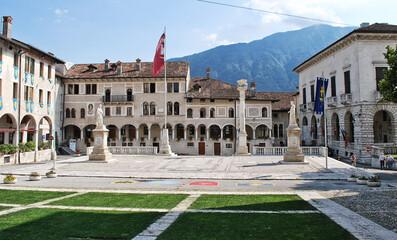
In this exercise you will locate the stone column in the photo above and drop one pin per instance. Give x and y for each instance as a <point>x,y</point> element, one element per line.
<point>36,150</point>
<point>294,150</point>
<point>242,136</point>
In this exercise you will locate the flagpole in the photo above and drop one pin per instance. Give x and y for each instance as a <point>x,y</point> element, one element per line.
<point>165,83</point>
<point>325,125</point>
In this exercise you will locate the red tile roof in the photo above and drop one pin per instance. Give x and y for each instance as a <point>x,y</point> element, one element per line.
<point>129,70</point>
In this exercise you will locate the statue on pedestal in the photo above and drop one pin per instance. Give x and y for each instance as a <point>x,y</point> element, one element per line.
<point>292,118</point>
<point>99,116</point>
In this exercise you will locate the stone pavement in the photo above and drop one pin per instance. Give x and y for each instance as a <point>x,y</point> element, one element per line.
<point>195,167</point>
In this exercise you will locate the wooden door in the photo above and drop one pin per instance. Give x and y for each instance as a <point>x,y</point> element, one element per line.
<point>201,148</point>
<point>217,148</point>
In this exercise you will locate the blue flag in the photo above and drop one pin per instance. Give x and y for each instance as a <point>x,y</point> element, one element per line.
<point>320,95</point>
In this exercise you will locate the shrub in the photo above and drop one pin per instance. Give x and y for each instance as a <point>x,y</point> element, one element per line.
<point>30,146</point>
<point>353,176</point>
<point>10,178</point>
<point>22,146</point>
<point>35,174</point>
<point>374,179</point>
<point>363,178</point>
<point>5,148</point>
<point>12,148</point>
<point>50,172</point>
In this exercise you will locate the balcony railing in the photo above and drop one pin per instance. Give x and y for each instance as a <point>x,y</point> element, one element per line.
<point>310,106</point>
<point>346,98</point>
<point>303,107</point>
<point>118,98</point>
<point>332,101</point>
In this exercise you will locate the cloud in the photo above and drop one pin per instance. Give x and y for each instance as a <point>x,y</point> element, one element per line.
<point>62,14</point>
<point>212,40</point>
<point>60,11</point>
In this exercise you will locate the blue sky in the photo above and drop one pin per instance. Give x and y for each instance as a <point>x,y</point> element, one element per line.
<point>89,31</point>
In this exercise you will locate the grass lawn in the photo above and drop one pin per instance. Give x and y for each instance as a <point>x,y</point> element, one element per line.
<point>254,226</point>
<point>73,224</point>
<point>3,208</point>
<point>251,202</point>
<point>124,200</point>
<point>28,197</point>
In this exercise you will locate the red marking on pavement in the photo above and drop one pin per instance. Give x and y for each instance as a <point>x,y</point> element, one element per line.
<point>204,183</point>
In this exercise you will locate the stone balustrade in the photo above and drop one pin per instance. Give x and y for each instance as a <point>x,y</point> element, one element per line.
<point>132,150</point>
<point>279,151</point>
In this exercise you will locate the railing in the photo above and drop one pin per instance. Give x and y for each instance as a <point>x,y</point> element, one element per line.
<point>346,98</point>
<point>303,107</point>
<point>134,150</point>
<point>279,151</point>
<point>310,106</point>
<point>118,98</point>
<point>386,149</point>
<point>332,101</point>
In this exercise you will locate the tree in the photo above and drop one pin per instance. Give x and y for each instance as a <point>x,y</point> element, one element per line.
<point>388,85</point>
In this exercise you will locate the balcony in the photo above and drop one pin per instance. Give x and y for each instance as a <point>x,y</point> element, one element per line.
<point>310,106</point>
<point>118,99</point>
<point>346,98</point>
<point>378,96</point>
<point>303,107</point>
<point>332,101</point>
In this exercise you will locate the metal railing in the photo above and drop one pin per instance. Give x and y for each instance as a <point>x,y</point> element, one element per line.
<point>118,98</point>
<point>279,151</point>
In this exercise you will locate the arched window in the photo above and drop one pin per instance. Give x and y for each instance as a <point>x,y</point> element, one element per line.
<point>169,108</point>
<point>82,113</point>
<point>152,108</point>
<point>189,113</point>
<point>212,112</point>
<point>264,112</point>
<point>176,108</point>
<point>231,112</point>
<point>73,113</point>
<point>202,113</point>
<point>129,94</point>
<point>145,108</point>
<point>275,131</point>
<point>67,113</point>
<point>304,121</point>
<point>281,130</point>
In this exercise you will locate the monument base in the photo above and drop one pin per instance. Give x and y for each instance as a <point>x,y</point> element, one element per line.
<point>166,151</point>
<point>100,153</point>
<point>243,151</point>
<point>294,155</point>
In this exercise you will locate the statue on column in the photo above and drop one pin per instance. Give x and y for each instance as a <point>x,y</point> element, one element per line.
<point>292,118</point>
<point>99,116</point>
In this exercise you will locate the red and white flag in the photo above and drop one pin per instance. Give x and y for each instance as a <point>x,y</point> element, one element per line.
<point>158,62</point>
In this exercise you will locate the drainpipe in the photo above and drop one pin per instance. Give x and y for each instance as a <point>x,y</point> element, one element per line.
<point>235,123</point>
<point>19,101</point>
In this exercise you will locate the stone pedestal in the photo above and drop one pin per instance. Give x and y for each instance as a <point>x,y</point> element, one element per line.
<point>100,152</point>
<point>165,148</point>
<point>242,149</point>
<point>294,151</point>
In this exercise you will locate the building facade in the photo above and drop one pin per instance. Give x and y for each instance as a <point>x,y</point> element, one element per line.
<point>27,94</point>
<point>357,117</point>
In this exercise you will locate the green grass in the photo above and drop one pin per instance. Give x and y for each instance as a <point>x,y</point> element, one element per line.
<point>28,197</point>
<point>73,224</point>
<point>3,208</point>
<point>254,226</point>
<point>251,202</point>
<point>124,200</point>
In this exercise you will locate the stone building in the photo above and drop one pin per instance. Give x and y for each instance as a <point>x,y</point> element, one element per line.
<point>201,112</point>
<point>357,117</point>
<point>26,92</point>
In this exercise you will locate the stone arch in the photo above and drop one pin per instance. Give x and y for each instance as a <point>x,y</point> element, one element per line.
<point>383,127</point>
<point>349,126</point>
<point>304,121</point>
<point>202,131</point>
<point>8,126</point>
<point>176,108</point>
<point>155,132</point>
<point>180,131</point>
<point>229,131</point>
<point>262,131</point>
<point>189,113</point>
<point>190,131</point>
<point>335,127</point>
<point>128,132</point>
<point>72,131</point>
<point>215,132</point>
<point>313,129</point>
<point>143,132</point>
<point>250,132</point>
<point>73,113</point>
<point>113,132</point>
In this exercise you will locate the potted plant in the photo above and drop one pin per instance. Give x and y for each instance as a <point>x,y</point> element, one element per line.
<point>201,139</point>
<point>21,147</point>
<point>362,180</point>
<point>34,176</point>
<point>10,179</point>
<point>51,174</point>
<point>77,154</point>
<point>12,149</point>
<point>154,139</point>
<point>352,178</point>
<point>4,149</point>
<point>374,182</point>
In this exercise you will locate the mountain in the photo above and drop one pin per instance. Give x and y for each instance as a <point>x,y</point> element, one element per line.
<point>269,61</point>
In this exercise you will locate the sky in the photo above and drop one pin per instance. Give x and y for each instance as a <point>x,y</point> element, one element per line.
<point>90,31</point>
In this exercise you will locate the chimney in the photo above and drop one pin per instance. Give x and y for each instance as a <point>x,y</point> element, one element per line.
<point>253,88</point>
<point>119,67</point>
<point>138,64</point>
<point>7,24</point>
<point>107,64</point>
<point>208,72</point>
<point>364,24</point>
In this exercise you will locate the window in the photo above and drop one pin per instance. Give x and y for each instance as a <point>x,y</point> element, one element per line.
<point>146,87</point>
<point>176,108</point>
<point>281,130</point>
<point>212,112</point>
<point>347,82</point>
<point>73,113</point>
<point>379,76</point>
<point>41,96</point>
<point>31,69</point>
<point>189,113</point>
<point>145,109</point>
<point>67,113</point>
<point>90,89</point>
<point>1,86</point>
<point>152,87</point>
<point>231,113</point>
<point>26,95</point>
<point>169,87</point>
<point>1,54</point>
<point>48,97</point>
<point>275,131</point>
<point>212,100</point>
<point>76,89</point>
<point>264,112</point>
<point>333,86</point>
<point>129,94</point>
<point>202,113</point>
<point>202,130</point>
<point>202,100</point>
<point>304,121</point>
<point>16,60</point>
<point>41,69</point>
<point>176,87</point>
<point>129,111</point>
<point>229,145</point>
<point>70,88</point>
<point>107,95</point>
<point>82,113</point>
<point>15,90</point>
<point>31,94</point>
<point>304,96</point>
<point>152,108</point>
<point>311,93</point>
<point>27,63</point>
<point>118,110</point>
<point>169,108</point>
<point>189,100</point>
<point>49,71</point>
<point>145,130</point>
<point>107,111</point>
<point>190,144</point>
